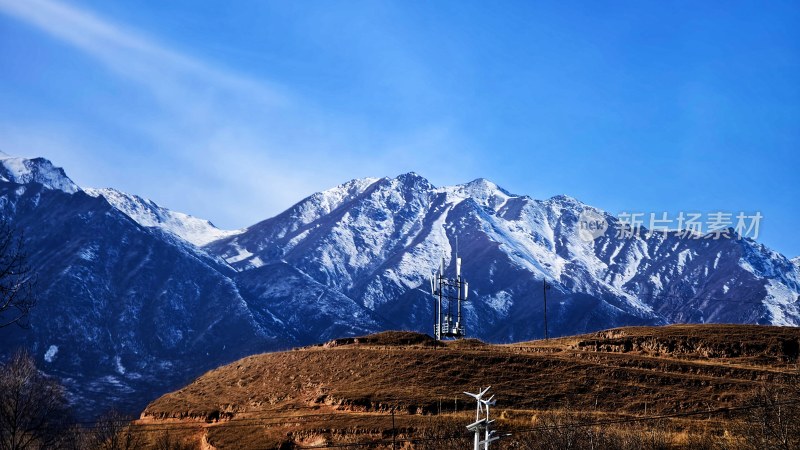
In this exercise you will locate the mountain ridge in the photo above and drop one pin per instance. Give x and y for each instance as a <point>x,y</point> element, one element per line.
<point>131,290</point>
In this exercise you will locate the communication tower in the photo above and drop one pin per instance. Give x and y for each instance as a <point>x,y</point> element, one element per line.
<point>447,292</point>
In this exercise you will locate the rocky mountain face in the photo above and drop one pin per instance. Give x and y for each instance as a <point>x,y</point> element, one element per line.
<point>135,300</point>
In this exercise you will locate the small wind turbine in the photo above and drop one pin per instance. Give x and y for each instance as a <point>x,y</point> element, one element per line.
<point>482,423</point>
<point>478,397</point>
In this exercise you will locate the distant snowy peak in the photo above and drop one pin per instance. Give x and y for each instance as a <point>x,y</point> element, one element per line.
<point>331,199</point>
<point>482,186</point>
<point>566,200</point>
<point>37,170</point>
<point>482,191</point>
<point>796,261</point>
<point>40,170</point>
<point>148,214</point>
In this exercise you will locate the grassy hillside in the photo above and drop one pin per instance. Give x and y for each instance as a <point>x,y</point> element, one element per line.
<point>680,386</point>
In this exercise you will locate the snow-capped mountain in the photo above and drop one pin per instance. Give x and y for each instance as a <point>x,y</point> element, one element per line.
<point>136,299</point>
<point>147,213</point>
<point>38,170</point>
<point>377,242</point>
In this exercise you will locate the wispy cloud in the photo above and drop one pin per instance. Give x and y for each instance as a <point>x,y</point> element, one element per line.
<point>129,52</point>
<point>236,137</point>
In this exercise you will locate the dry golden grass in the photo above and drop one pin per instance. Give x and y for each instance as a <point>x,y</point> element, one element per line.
<point>345,391</point>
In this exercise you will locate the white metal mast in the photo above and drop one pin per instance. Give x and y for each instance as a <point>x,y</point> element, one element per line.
<point>449,290</point>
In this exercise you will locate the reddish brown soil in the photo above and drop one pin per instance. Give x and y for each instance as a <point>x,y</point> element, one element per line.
<point>346,390</point>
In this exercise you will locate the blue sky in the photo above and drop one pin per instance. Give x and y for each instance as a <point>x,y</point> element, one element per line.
<point>233,111</point>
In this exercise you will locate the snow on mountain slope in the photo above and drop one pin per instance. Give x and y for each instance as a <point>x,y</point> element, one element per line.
<point>781,281</point>
<point>298,217</point>
<point>377,241</point>
<point>37,170</point>
<point>147,213</point>
<point>382,243</point>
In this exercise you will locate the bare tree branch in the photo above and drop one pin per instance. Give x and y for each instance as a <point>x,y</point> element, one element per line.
<point>17,280</point>
<point>33,406</point>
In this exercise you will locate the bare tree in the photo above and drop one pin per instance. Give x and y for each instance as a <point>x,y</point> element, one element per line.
<point>772,422</point>
<point>73,437</point>
<point>16,278</point>
<point>33,407</point>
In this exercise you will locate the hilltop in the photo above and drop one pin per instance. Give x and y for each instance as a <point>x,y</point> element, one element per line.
<point>346,390</point>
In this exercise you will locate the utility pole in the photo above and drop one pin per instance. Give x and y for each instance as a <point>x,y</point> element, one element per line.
<point>545,287</point>
<point>394,433</point>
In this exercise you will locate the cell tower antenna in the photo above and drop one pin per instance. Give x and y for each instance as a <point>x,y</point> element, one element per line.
<point>447,291</point>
